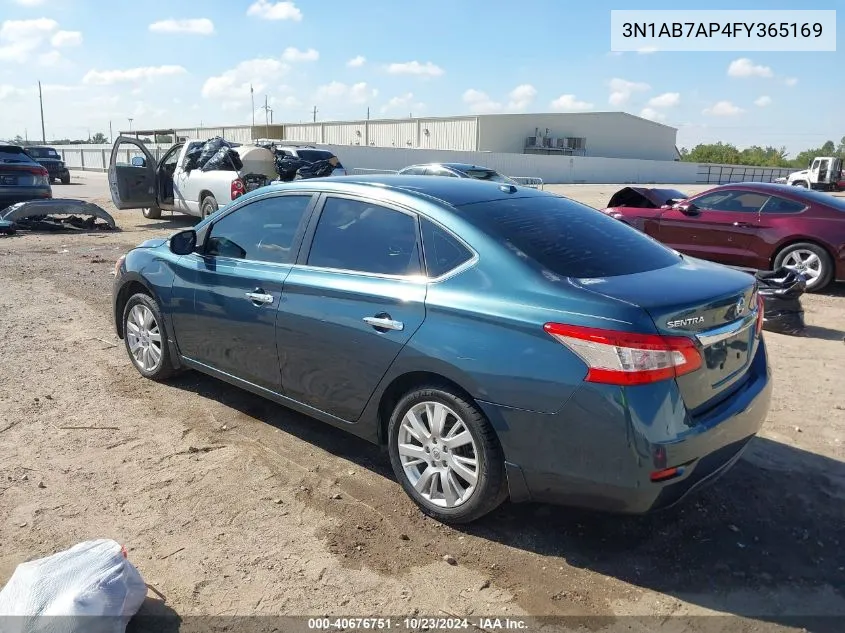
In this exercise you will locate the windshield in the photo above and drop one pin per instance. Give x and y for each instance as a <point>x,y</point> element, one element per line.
<point>568,238</point>
<point>487,174</point>
<point>13,154</point>
<point>43,152</point>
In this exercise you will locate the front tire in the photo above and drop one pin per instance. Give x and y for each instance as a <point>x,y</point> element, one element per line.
<point>801,183</point>
<point>66,180</point>
<point>145,337</point>
<point>446,455</point>
<point>208,206</point>
<point>151,213</point>
<point>809,259</point>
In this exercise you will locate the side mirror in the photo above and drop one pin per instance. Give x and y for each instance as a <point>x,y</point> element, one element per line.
<point>687,208</point>
<point>139,161</point>
<point>183,242</point>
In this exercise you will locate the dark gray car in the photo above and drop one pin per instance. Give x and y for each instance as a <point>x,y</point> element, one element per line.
<point>21,177</point>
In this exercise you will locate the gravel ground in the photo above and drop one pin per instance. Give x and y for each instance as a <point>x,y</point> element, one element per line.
<point>230,505</point>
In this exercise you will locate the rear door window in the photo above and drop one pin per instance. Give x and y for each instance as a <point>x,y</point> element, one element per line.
<point>360,236</point>
<point>777,205</point>
<point>567,238</point>
<point>443,251</point>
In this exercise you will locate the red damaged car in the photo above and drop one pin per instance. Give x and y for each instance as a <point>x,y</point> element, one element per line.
<point>761,226</point>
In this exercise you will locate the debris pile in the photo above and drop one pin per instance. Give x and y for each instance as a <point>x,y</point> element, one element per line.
<point>57,214</point>
<point>781,290</point>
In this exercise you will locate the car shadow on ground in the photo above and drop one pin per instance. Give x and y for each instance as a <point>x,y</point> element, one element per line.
<point>774,523</point>
<point>174,222</point>
<point>823,333</point>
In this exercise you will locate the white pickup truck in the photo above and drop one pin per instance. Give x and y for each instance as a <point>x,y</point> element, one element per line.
<point>138,181</point>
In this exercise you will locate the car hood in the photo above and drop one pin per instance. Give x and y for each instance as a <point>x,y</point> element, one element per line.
<point>644,197</point>
<point>154,242</point>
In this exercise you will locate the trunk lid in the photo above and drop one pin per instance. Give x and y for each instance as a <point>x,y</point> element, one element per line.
<point>710,303</point>
<point>20,175</point>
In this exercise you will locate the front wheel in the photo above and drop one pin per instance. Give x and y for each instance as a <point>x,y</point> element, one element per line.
<point>446,455</point>
<point>810,260</point>
<point>800,183</point>
<point>66,180</point>
<point>208,206</point>
<point>145,337</point>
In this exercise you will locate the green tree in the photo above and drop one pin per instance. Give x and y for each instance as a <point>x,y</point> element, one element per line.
<point>99,139</point>
<point>828,148</point>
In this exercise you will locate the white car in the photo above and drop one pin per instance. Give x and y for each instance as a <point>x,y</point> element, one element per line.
<point>165,185</point>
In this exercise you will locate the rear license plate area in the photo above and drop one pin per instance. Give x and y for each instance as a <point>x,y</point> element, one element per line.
<point>726,358</point>
<point>8,180</point>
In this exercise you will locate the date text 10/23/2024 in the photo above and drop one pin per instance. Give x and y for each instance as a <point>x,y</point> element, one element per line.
<point>723,30</point>
<point>418,623</point>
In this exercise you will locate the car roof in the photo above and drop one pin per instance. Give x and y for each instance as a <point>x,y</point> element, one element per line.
<point>452,191</point>
<point>458,166</point>
<point>40,147</point>
<point>762,187</point>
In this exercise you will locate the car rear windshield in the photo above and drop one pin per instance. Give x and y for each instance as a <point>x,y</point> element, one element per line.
<point>13,154</point>
<point>41,152</point>
<point>486,174</point>
<point>568,238</point>
<point>817,197</point>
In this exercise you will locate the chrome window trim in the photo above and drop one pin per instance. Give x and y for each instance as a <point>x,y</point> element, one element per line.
<point>724,332</point>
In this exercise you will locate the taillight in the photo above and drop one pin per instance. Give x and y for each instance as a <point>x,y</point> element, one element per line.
<point>238,188</point>
<point>625,358</point>
<point>758,329</point>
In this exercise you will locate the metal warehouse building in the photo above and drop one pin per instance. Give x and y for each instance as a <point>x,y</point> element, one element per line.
<point>602,134</point>
<point>605,134</point>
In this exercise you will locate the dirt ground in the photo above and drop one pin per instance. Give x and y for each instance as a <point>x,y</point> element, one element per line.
<point>231,505</point>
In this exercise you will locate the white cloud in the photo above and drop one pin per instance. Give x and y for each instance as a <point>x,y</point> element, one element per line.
<point>194,26</point>
<point>763,101</point>
<point>233,84</point>
<point>266,10</point>
<point>569,103</point>
<point>647,50</point>
<point>744,67</point>
<point>293,54</point>
<point>415,68</point>
<point>790,81</point>
<point>51,59</point>
<point>651,113</point>
<point>7,91</point>
<point>144,73</point>
<point>622,89</point>
<point>403,102</point>
<point>480,103</point>
<point>19,39</point>
<point>666,100</point>
<point>357,61</point>
<point>355,93</point>
<point>30,3</point>
<point>723,108</point>
<point>521,97</point>
<point>66,38</point>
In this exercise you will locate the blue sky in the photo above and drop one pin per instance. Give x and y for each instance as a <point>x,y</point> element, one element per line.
<point>102,62</point>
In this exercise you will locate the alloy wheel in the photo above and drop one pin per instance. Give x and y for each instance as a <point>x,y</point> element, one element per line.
<point>438,454</point>
<point>144,338</point>
<point>805,262</point>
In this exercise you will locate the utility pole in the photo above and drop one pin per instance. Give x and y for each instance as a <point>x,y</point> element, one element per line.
<point>41,103</point>
<point>368,114</point>
<point>267,116</point>
<point>130,124</point>
<point>314,114</point>
<point>252,98</point>
<point>111,135</point>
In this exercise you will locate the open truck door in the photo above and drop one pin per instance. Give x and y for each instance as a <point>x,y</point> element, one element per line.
<point>132,175</point>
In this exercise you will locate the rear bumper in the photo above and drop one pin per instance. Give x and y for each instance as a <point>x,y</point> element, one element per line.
<point>13,195</point>
<point>600,450</point>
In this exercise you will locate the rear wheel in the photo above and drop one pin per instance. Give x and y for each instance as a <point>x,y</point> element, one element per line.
<point>66,180</point>
<point>208,206</point>
<point>446,455</point>
<point>151,213</point>
<point>811,260</point>
<point>145,337</point>
<point>800,183</point>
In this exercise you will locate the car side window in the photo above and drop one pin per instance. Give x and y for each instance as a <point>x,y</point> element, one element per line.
<point>777,205</point>
<point>413,171</point>
<point>440,171</point>
<point>263,230</point>
<point>443,251</point>
<point>360,236</point>
<point>734,201</point>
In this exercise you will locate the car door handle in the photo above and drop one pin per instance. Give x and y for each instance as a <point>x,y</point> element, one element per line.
<point>259,297</point>
<point>384,323</point>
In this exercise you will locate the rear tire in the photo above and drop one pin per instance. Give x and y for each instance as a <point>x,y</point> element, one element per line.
<point>66,180</point>
<point>145,337</point>
<point>151,213</point>
<point>466,448</point>
<point>208,206</point>
<point>807,258</point>
<point>801,183</point>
